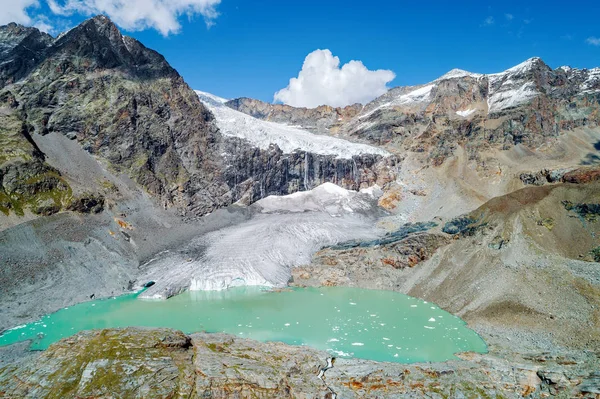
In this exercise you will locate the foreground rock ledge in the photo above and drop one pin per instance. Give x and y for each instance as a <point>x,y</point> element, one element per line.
<point>163,363</point>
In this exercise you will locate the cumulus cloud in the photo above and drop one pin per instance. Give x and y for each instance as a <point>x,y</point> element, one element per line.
<point>23,12</point>
<point>322,82</point>
<point>509,17</point>
<point>162,15</point>
<point>17,11</point>
<point>594,41</point>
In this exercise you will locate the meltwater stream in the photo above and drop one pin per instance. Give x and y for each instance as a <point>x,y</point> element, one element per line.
<point>347,322</point>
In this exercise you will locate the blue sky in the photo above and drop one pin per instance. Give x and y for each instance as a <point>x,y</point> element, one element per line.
<point>253,48</point>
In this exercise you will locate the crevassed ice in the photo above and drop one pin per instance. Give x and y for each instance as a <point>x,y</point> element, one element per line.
<point>263,133</point>
<point>283,233</point>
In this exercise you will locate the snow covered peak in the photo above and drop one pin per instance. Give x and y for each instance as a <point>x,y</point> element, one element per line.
<point>458,73</point>
<point>524,66</point>
<point>263,134</point>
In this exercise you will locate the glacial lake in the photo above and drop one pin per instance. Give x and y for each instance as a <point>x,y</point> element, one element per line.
<point>347,322</point>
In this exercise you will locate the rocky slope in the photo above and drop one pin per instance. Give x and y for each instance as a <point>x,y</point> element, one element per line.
<point>103,149</point>
<point>519,269</point>
<point>168,364</point>
<point>323,119</point>
<point>124,104</point>
<point>528,104</point>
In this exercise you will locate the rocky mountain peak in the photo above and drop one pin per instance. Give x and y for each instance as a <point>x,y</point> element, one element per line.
<point>100,44</point>
<point>20,50</point>
<point>458,73</point>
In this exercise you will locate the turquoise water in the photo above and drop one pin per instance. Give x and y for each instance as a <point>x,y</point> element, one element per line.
<point>347,322</point>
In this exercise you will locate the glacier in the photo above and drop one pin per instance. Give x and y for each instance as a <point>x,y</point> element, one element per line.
<point>263,134</point>
<point>282,232</point>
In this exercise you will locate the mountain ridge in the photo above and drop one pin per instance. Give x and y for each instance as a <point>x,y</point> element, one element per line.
<point>509,107</point>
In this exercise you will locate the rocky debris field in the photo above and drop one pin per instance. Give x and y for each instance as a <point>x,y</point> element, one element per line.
<point>162,363</point>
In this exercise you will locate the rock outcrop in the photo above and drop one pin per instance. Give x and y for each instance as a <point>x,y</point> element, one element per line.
<point>163,363</point>
<point>323,119</point>
<point>124,104</point>
<point>529,104</point>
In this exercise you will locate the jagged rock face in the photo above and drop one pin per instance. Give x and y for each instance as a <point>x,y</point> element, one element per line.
<point>126,105</point>
<point>255,173</point>
<point>163,363</point>
<point>529,104</point>
<point>322,119</point>
<point>21,50</point>
<point>27,182</point>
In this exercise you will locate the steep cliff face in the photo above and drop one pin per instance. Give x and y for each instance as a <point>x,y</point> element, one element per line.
<point>322,119</point>
<point>265,158</point>
<point>124,104</point>
<point>254,173</point>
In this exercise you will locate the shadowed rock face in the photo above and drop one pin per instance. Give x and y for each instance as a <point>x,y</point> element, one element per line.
<point>126,105</point>
<point>255,173</point>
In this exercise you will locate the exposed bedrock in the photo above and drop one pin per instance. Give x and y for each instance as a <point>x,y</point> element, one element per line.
<point>322,119</point>
<point>253,173</point>
<point>162,363</point>
<point>124,104</point>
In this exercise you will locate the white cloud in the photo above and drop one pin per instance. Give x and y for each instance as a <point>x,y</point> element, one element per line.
<point>16,11</point>
<point>322,81</point>
<point>489,21</point>
<point>162,15</point>
<point>21,12</point>
<point>594,41</point>
<point>509,17</point>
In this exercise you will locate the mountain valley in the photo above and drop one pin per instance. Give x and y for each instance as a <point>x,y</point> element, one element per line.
<point>479,193</point>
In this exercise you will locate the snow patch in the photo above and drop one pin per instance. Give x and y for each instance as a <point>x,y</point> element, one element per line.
<point>420,95</point>
<point>465,113</point>
<point>501,98</point>
<point>592,80</point>
<point>458,73</point>
<point>416,96</point>
<point>327,197</point>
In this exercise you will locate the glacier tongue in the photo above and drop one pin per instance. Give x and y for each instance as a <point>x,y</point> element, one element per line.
<point>283,232</point>
<point>263,134</point>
